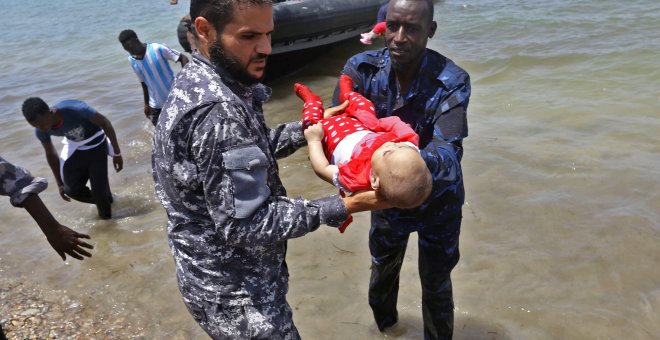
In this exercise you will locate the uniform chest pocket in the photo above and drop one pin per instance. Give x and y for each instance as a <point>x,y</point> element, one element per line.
<point>248,188</point>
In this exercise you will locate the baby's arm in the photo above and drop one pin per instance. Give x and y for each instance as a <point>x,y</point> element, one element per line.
<point>322,168</point>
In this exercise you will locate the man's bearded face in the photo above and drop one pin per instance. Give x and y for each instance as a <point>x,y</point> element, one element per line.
<point>223,58</point>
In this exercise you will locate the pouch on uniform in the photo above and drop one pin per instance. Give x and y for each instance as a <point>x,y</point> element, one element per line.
<point>247,169</point>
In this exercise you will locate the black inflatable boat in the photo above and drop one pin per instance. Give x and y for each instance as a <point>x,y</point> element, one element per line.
<point>306,24</point>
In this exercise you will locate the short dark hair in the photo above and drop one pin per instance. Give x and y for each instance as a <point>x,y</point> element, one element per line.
<point>429,6</point>
<point>34,107</point>
<point>220,12</point>
<point>125,35</point>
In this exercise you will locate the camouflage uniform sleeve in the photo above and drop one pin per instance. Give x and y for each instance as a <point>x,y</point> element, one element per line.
<point>17,183</point>
<point>235,173</point>
<point>287,138</point>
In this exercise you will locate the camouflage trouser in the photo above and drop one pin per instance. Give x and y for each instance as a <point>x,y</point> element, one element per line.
<point>268,321</point>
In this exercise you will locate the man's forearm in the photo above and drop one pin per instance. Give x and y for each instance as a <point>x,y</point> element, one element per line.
<point>110,132</point>
<point>364,201</point>
<point>54,163</point>
<point>36,208</point>
<point>183,60</point>
<point>145,94</point>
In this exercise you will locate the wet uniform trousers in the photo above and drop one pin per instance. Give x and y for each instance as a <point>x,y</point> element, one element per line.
<point>92,165</point>
<point>438,254</point>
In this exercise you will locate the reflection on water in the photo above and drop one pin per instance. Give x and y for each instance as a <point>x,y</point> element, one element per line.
<point>560,230</point>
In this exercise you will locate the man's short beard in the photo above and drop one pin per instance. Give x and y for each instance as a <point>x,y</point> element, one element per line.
<point>224,59</point>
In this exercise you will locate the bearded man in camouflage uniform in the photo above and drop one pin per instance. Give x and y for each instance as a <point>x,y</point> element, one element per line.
<point>217,177</point>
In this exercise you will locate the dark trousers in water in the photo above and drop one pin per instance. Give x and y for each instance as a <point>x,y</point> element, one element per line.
<point>438,254</point>
<point>153,115</point>
<point>90,165</point>
<point>2,334</point>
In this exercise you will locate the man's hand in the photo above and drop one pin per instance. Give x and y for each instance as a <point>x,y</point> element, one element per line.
<point>314,133</point>
<point>335,110</point>
<point>118,163</point>
<point>61,238</point>
<point>67,241</point>
<point>365,200</point>
<point>62,193</point>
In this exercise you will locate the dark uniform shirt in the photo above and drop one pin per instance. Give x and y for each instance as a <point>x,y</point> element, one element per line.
<point>436,108</point>
<point>217,177</point>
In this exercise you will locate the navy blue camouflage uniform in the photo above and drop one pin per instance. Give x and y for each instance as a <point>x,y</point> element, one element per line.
<point>216,174</point>
<point>436,108</point>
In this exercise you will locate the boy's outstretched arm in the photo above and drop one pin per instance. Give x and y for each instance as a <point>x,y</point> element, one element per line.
<point>322,168</point>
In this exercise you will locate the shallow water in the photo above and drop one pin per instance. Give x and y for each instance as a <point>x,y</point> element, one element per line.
<point>560,232</point>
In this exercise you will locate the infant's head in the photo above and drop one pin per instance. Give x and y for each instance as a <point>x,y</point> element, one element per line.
<point>400,175</point>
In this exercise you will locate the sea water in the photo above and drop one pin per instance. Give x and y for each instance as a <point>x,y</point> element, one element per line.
<point>561,232</point>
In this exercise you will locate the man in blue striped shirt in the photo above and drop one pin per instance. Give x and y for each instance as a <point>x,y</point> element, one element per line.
<point>150,63</point>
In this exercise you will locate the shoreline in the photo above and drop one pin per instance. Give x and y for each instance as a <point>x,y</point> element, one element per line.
<point>29,311</point>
